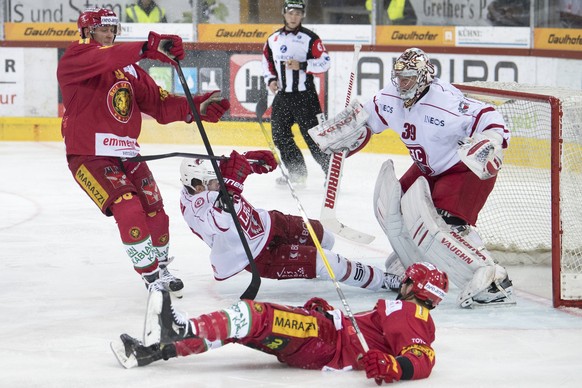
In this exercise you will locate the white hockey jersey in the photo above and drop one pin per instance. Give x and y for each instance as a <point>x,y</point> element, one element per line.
<point>433,126</point>
<point>216,227</point>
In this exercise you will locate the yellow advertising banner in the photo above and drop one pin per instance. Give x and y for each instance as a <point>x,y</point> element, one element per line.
<point>558,39</point>
<point>235,33</point>
<point>411,36</point>
<point>41,32</point>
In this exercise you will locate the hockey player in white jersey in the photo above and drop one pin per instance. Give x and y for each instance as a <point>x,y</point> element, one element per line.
<point>456,144</point>
<point>280,244</point>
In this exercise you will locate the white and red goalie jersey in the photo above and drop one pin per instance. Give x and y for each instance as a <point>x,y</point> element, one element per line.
<point>433,127</point>
<point>216,227</point>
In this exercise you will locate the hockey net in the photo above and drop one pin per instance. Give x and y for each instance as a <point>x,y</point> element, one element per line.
<point>534,214</point>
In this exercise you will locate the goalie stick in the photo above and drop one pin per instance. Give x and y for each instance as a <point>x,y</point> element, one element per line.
<point>253,288</point>
<point>260,111</point>
<point>328,216</point>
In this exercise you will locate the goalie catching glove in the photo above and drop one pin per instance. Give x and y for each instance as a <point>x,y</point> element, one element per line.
<point>482,153</point>
<point>346,131</point>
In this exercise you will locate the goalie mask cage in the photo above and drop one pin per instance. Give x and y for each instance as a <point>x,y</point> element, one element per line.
<point>534,213</point>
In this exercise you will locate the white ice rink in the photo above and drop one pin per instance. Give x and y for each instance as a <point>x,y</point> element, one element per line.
<point>67,289</point>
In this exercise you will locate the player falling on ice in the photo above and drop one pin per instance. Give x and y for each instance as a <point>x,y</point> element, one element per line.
<point>280,243</point>
<point>456,144</point>
<point>399,332</point>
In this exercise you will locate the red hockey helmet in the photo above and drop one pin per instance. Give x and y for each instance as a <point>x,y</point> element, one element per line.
<point>95,17</point>
<point>428,282</point>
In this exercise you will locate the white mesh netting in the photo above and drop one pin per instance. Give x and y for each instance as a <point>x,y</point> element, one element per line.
<point>516,222</point>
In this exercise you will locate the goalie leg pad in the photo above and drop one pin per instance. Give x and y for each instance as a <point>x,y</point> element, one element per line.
<point>440,244</point>
<point>387,194</point>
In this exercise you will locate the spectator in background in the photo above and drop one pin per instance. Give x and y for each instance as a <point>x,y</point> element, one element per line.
<point>399,12</point>
<point>571,13</point>
<point>509,13</point>
<point>145,11</point>
<point>212,9</point>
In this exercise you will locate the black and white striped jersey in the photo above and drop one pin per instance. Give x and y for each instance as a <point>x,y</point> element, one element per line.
<point>302,45</point>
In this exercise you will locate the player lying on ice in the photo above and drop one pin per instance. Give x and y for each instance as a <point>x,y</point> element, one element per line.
<point>280,243</point>
<point>398,332</point>
<point>456,144</point>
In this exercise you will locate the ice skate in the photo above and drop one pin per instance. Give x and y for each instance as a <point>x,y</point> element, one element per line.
<point>392,282</point>
<point>130,352</point>
<point>170,282</point>
<point>163,324</point>
<point>497,294</point>
<point>163,279</point>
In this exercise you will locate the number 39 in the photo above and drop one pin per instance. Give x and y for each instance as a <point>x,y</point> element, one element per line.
<point>409,132</point>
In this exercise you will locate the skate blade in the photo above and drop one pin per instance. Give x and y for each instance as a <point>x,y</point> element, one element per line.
<point>118,349</point>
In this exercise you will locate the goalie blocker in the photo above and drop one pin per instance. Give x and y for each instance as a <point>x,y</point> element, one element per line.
<point>418,233</point>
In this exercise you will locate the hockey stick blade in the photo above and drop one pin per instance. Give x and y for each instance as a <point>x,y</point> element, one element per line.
<point>345,231</point>
<point>262,106</point>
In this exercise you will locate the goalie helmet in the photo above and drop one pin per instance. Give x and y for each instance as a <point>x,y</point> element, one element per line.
<point>96,17</point>
<point>199,169</point>
<point>412,73</point>
<point>294,4</point>
<point>429,284</point>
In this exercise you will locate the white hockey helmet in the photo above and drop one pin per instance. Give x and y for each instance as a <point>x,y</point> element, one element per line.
<point>199,169</point>
<point>412,73</point>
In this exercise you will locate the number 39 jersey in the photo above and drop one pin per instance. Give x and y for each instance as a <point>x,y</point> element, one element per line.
<point>433,126</point>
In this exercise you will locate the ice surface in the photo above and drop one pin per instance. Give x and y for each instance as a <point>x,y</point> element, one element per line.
<point>67,289</point>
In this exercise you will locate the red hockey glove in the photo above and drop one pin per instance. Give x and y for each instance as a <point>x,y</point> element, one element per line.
<point>235,170</point>
<point>381,366</point>
<point>211,106</point>
<point>164,48</point>
<point>261,161</point>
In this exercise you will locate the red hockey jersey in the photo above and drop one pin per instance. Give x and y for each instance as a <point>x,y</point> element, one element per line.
<point>105,93</point>
<point>395,327</point>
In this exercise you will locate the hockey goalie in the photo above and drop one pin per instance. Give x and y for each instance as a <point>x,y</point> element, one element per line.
<point>456,144</point>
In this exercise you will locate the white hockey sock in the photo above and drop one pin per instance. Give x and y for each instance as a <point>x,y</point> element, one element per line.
<point>141,253</point>
<point>350,272</point>
<point>162,254</point>
<point>328,240</point>
<point>239,317</point>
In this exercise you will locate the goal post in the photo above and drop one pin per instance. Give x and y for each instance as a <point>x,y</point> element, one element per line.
<point>534,214</point>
